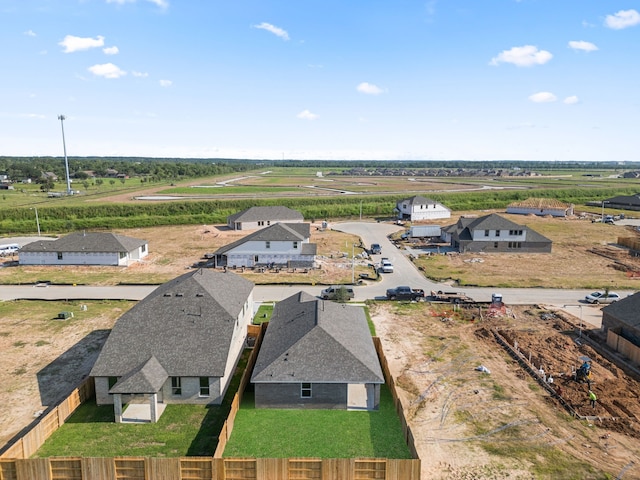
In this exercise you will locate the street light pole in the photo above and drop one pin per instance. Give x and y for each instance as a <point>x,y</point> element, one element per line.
<point>353,263</point>
<point>62,118</point>
<point>37,219</point>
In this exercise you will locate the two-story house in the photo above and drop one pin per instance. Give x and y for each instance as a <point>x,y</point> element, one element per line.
<point>493,233</point>
<point>417,208</point>
<point>281,244</point>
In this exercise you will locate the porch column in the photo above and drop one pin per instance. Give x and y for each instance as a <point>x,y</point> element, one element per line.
<point>153,405</point>
<point>117,407</point>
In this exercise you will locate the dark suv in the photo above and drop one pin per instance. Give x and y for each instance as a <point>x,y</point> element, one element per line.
<point>375,249</point>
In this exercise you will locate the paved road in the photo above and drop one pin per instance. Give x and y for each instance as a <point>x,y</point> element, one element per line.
<point>405,274</point>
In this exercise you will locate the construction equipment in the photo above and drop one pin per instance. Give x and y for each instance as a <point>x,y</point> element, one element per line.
<point>583,374</point>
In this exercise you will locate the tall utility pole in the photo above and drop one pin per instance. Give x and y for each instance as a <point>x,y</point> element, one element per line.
<point>62,118</point>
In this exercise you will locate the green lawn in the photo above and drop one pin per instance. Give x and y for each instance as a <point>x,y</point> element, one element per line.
<point>280,433</point>
<point>182,430</point>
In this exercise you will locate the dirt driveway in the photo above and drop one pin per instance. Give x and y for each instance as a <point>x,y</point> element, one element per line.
<point>503,424</point>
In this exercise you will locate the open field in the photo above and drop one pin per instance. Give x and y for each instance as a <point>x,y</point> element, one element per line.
<point>503,425</point>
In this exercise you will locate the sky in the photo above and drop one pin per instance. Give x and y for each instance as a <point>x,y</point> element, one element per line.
<point>322,79</point>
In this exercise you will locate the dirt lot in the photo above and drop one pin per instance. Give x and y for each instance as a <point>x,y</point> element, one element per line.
<point>503,424</point>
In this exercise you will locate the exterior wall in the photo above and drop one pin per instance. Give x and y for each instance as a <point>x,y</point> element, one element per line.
<point>69,258</point>
<point>287,395</point>
<point>501,235</point>
<point>555,212</point>
<point>191,392</point>
<point>422,212</point>
<point>609,322</point>
<point>255,225</point>
<point>280,253</point>
<point>503,247</point>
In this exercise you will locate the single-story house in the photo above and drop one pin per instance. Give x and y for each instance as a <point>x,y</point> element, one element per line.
<point>317,354</point>
<point>259,217</point>
<point>541,207</point>
<point>622,317</point>
<point>85,248</point>
<point>623,202</point>
<point>180,344</point>
<point>493,233</point>
<point>417,208</point>
<point>282,244</point>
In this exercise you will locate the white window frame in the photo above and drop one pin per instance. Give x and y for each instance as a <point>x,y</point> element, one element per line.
<point>306,390</point>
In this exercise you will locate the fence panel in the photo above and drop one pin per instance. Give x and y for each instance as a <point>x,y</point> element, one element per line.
<point>8,470</point>
<point>240,469</point>
<point>130,469</point>
<point>158,468</point>
<point>34,468</point>
<point>99,468</point>
<point>305,468</point>
<point>66,468</point>
<point>196,468</point>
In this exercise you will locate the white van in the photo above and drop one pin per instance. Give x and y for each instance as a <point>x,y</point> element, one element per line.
<point>9,249</point>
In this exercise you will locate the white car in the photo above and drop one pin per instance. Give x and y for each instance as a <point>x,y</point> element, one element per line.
<point>601,297</point>
<point>386,266</point>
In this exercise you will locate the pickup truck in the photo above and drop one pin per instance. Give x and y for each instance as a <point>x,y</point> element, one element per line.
<point>404,292</point>
<point>452,297</point>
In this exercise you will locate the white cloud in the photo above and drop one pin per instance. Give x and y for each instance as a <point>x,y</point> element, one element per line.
<point>277,31</point>
<point>572,100</point>
<point>140,74</point>
<point>107,70</point>
<point>111,50</point>
<point>77,44</point>
<point>32,115</point>
<point>159,3</point>
<point>30,33</point>
<point>582,45</point>
<point>307,115</point>
<point>369,89</point>
<point>525,56</point>
<point>622,19</point>
<point>166,83</point>
<point>543,97</point>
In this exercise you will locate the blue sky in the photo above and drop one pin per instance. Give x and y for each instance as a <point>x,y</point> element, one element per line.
<point>322,79</point>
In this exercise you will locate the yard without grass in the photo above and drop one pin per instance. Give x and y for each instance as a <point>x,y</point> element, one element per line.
<point>289,433</point>
<point>182,430</point>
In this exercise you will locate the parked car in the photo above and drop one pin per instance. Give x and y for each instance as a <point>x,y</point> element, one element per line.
<point>375,249</point>
<point>601,297</point>
<point>386,266</point>
<point>404,292</point>
<point>334,292</point>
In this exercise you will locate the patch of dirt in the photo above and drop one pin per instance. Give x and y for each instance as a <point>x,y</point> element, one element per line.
<point>459,416</point>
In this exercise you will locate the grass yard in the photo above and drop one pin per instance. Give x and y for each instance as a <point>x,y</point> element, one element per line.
<point>282,433</point>
<point>182,430</point>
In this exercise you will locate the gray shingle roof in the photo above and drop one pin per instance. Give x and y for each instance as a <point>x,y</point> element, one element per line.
<point>273,233</point>
<point>626,310</point>
<point>148,377</point>
<point>186,323</point>
<point>86,242</point>
<point>274,214</point>
<point>465,226</point>
<point>312,340</point>
<point>418,200</point>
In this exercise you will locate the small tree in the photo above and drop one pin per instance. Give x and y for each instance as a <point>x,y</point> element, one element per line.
<point>342,296</point>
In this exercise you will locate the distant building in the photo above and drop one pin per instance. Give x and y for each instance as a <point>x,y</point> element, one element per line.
<point>419,208</point>
<point>260,217</point>
<point>541,206</point>
<point>623,202</point>
<point>85,248</point>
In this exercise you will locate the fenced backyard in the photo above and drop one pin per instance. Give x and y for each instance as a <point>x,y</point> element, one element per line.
<point>15,463</point>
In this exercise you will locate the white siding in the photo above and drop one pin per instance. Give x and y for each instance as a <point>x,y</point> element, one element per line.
<point>493,236</point>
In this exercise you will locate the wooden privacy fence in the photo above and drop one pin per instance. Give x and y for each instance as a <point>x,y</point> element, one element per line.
<point>15,464</point>
<point>623,346</point>
<point>48,423</point>
<point>208,468</point>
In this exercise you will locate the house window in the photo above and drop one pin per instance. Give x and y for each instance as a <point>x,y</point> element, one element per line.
<point>268,222</point>
<point>204,386</point>
<point>495,244</point>
<point>515,233</point>
<point>59,255</point>
<point>267,244</point>
<point>295,245</point>
<point>305,390</point>
<point>144,248</point>
<point>497,233</point>
<point>486,233</point>
<point>261,223</point>
<point>123,254</point>
<point>112,382</point>
<point>515,244</point>
<point>176,386</point>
